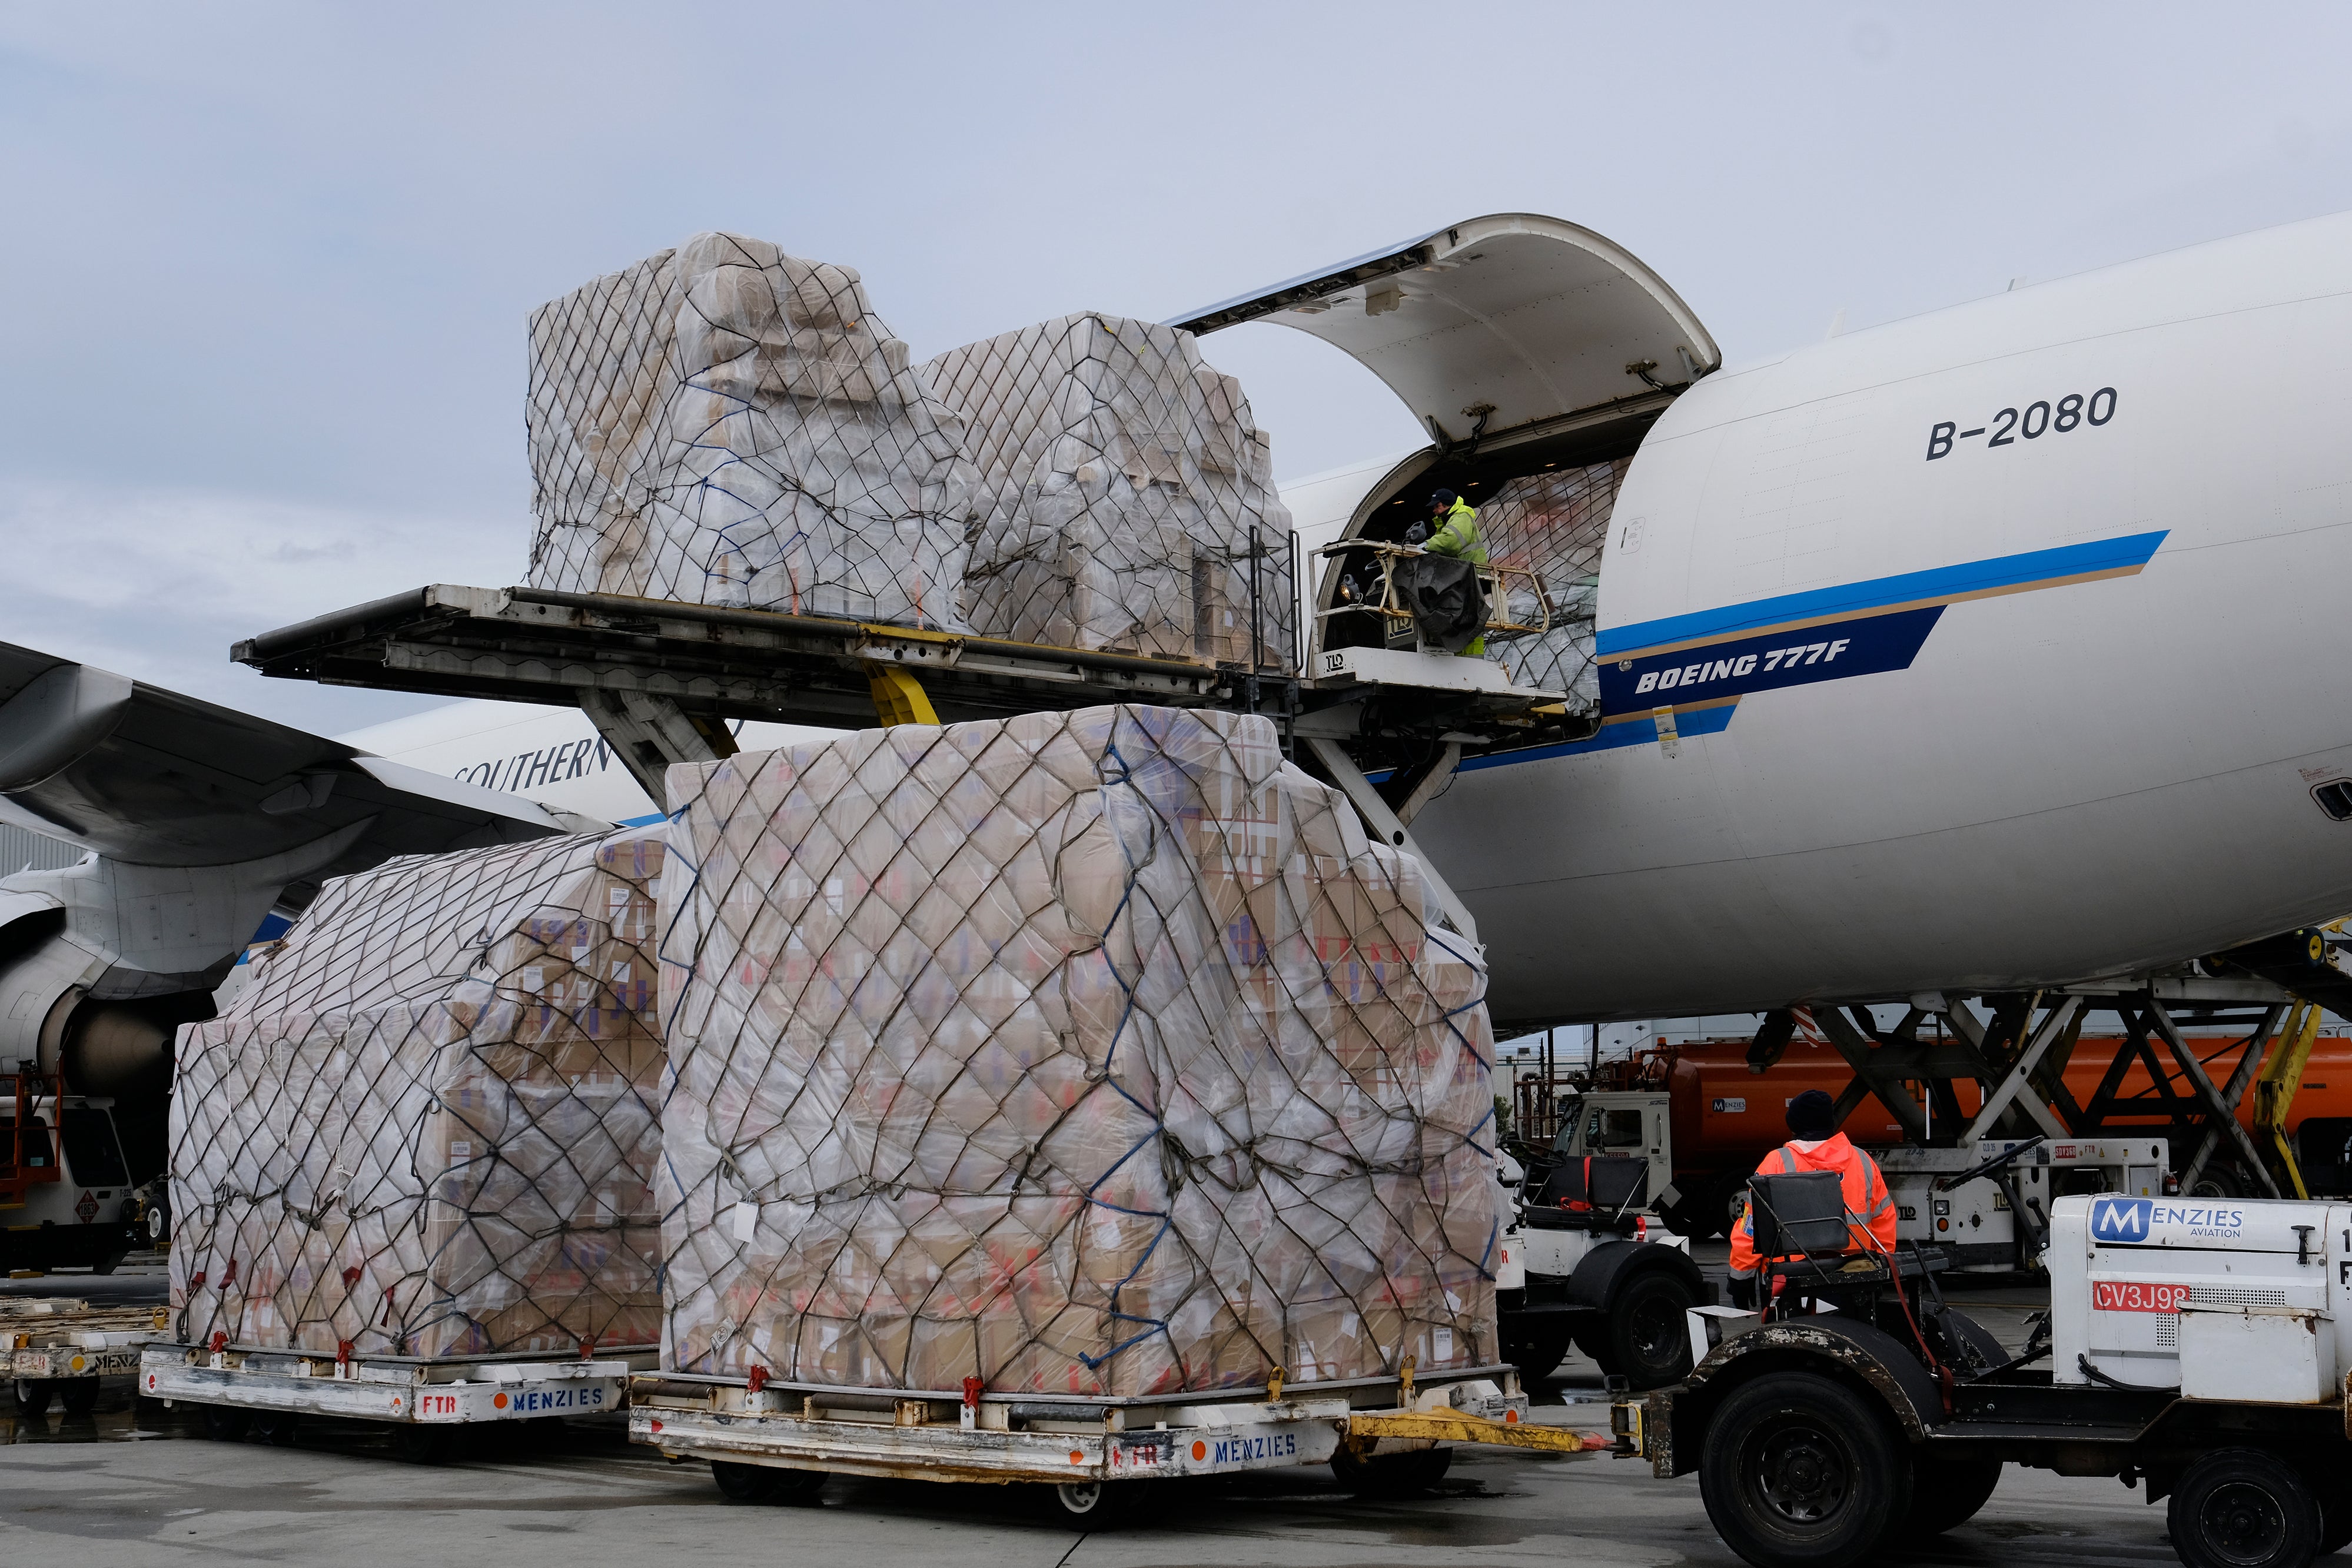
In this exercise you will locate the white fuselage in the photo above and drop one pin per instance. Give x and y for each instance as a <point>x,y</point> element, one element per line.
<point>2103,690</point>
<point>2057,706</point>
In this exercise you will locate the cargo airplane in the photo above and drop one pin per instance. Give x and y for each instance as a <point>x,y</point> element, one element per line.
<point>1984,651</point>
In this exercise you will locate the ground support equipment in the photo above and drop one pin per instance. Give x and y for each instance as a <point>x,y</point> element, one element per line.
<point>425,1402</point>
<point>1827,1439</point>
<point>770,1440</point>
<point>58,1349</point>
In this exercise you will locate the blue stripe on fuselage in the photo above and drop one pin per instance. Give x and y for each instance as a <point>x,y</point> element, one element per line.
<point>1940,585</point>
<point>1636,729</point>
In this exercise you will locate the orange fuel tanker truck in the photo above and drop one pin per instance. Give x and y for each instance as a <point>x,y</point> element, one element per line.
<point>1703,1119</point>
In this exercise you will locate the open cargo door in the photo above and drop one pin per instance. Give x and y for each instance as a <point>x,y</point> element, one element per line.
<point>1536,354</point>
<point>1498,330</point>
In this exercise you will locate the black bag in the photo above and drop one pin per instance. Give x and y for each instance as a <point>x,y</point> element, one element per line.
<point>1448,609</point>
<point>1797,1214</point>
<point>1605,1185</point>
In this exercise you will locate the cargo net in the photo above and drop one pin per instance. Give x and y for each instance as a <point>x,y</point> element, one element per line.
<point>1091,1053</point>
<point>723,423</point>
<point>427,1126</point>
<point>1554,525</point>
<point>1127,496</point>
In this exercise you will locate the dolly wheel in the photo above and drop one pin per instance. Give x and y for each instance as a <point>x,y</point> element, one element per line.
<point>79,1394</point>
<point>1387,1476</point>
<point>33,1395</point>
<point>423,1445</point>
<point>275,1428</point>
<point>225,1423</point>
<point>1097,1505</point>
<point>1536,1351</point>
<point>765,1483</point>
<point>2241,1507</point>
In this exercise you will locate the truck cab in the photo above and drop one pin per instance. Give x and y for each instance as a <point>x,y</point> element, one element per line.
<point>1585,1265</point>
<point>65,1194</point>
<point>1625,1123</point>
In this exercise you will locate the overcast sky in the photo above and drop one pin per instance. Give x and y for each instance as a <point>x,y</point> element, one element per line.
<point>266,269</point>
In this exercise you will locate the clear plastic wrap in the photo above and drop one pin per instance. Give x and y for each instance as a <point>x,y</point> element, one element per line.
<point>1081,1053</point>
<point>427,1125</point>
<point>1125,486</point>
<point>1554,524</point>
<point>724,424</point>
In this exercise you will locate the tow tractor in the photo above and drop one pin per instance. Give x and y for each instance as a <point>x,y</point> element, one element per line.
<point>1583,1265</point>
<point>2195,1348</point>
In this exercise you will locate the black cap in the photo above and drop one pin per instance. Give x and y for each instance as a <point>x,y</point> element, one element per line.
<point>1812,1115</point>
<point>1441,497</point>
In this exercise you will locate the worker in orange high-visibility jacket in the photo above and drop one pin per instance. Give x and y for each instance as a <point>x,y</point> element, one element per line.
<point>1816,1145</point>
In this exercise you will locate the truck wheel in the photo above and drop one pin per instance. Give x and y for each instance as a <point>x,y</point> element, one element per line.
<point>1536,1352</point>
<point>2334,1520</point>
<point>33,1395</point>
<point>2240,1507</point>
<point>1391,1475</point>
<point>1801,1472</point>
<point>1946,1493</point>
<point>79,1394</point>
<point>1710,1210</point>
<point>227,1423</point>
<point>2213,1182</point>
<point>1646,1336</point>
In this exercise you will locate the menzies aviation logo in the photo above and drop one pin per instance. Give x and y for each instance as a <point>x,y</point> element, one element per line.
<point>2136,1219</point>
<point>2120,1219</point>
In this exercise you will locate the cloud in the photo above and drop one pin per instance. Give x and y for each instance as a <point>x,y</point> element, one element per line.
<point>156,582</point>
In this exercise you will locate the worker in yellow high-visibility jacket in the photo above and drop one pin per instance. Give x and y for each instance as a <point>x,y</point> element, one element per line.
<point>1453,530</point>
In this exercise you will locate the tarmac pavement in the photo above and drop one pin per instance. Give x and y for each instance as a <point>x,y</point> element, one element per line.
<point>133,1484</point>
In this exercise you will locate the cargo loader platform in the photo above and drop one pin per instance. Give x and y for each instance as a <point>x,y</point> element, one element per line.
<point>533,644</point>
<point>661,681</point>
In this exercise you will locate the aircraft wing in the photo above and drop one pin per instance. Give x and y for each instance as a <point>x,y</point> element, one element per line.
<point>151,777</point>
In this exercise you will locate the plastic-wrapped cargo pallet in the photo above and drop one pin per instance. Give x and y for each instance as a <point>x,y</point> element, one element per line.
<point>1122,478</point>
<point>427,1126</point>
<point>1554,525</point>
<point>723,423</point>
<point>1094,1052</point>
